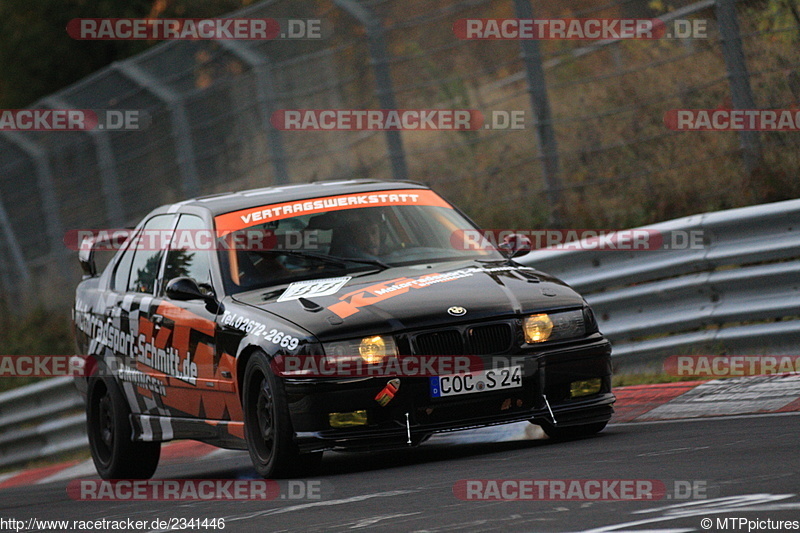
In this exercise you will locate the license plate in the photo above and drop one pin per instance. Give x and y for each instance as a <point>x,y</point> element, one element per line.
<point>474,382</point>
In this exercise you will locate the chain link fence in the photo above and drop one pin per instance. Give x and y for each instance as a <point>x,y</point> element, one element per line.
<point>594,153</point>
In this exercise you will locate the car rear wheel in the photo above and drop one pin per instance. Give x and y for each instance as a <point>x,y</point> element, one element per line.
<point>268,428</point>
<point>572,432</point>
<point>115,455</point>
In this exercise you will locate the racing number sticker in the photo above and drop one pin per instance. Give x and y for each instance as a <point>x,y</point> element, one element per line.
<point>314,287</point>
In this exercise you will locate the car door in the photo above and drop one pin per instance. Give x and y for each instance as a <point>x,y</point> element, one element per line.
<point>203,387</point>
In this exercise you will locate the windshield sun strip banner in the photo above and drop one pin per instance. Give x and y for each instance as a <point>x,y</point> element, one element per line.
<point>253,216</point>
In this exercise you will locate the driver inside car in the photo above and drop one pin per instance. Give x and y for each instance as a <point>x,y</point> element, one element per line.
<point>358,235</point>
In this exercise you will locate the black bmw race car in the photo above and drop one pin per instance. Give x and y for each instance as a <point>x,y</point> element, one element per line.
<point>330,316</point>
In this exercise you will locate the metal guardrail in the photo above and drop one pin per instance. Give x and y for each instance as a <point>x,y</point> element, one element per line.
<point>738,293</point>
<point>41,420</point>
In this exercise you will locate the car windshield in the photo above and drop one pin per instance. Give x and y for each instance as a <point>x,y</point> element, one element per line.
<point>266,246</point>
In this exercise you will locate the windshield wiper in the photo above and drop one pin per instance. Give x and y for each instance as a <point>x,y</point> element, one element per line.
<point>375,262</point>
<point>334,260</point>
<point>326,258</point>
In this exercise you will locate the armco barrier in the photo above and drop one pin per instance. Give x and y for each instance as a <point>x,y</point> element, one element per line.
<point>41,420</point>
<point>736,294</point>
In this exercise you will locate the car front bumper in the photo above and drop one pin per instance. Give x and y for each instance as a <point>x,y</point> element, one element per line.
<point>413,415</point>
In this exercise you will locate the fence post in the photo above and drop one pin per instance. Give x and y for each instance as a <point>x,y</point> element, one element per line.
<point>15,253</point>
<point>181,132</point>
<point>383,79</point>
<point>265,90</point>
<point>542,117</point>
<point>105,164</point>
<point>47,192</point>
<point>738,78</point>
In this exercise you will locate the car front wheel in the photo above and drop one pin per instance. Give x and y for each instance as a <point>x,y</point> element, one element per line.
<point>115,454</point>
<point>268,428</point>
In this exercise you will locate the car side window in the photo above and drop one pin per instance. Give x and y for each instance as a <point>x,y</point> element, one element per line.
<point>123,270</point>
<point>185,258</point>
<point>149,251</point>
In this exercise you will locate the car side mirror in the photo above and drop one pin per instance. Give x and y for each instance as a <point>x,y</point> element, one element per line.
<point>185,288</point>
<point>515,245</point>
<point>86,257</point>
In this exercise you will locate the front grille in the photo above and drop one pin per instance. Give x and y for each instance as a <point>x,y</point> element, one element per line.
<point>475,340</point>
<point>448,342</point>
<point>488,340</point>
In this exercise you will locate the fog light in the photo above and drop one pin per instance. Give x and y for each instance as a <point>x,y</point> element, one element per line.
<point>537,328</point>
<point>346,420</point>
<point>586,387</point>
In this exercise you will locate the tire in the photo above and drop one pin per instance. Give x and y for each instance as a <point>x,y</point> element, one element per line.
<point>268,427</point>
<point>108,425</point>
<point>572,432</point>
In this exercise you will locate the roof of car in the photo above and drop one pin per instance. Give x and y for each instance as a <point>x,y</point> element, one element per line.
<point>233,201</point>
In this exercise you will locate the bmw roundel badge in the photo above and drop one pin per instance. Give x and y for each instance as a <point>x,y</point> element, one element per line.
<point>457,310</point>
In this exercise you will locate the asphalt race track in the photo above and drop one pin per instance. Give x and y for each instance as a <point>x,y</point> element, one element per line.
<point>744,467</point>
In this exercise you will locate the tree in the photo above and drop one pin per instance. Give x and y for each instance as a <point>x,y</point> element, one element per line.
<point>38,58</point>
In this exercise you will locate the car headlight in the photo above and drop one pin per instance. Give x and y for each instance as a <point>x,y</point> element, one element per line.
<point>374,349</point>
<point>371,350</point>
<point>543,327</point>
<point>537,328</point>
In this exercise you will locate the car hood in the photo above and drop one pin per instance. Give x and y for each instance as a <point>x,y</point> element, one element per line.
<point>411,297</point>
